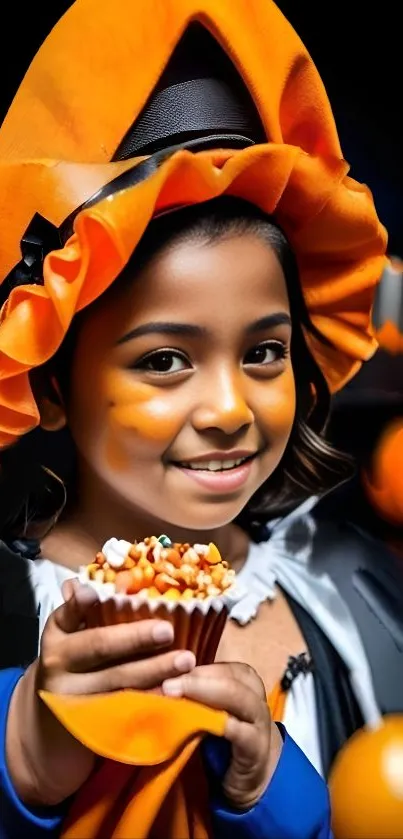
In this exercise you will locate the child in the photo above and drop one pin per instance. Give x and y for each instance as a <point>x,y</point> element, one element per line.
<point>171,338</point>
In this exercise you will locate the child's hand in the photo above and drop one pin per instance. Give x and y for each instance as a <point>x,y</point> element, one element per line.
<point>46,763</point>
<point>256,741</point>
<point>126,655</point>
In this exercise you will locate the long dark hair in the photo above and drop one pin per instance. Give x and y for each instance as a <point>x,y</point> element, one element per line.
<point>38,473</point>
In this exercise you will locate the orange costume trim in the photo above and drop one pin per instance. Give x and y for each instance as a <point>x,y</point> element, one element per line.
<point>66,122</point>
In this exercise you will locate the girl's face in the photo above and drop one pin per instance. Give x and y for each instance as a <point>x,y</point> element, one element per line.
<point>183,394</point>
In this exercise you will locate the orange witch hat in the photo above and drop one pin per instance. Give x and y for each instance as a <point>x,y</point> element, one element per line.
<point>93,87</point>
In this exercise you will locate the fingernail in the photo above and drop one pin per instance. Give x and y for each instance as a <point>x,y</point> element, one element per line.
<point>163,633</point>
<point>184,662</point>
<point>172,687</point>
<point>85,595</point>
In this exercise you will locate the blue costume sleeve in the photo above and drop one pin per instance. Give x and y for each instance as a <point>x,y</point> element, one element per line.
<point>294,806</point>
<point>16,820</point>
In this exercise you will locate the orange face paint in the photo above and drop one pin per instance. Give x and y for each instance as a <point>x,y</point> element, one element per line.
<point>134,427</point>
<point>139,407</point>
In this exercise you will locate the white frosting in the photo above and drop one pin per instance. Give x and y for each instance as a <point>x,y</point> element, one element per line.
<point>115,552</point>
<point>201,550</point>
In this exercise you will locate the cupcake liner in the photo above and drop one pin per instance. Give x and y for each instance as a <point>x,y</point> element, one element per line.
<point>198,624</point>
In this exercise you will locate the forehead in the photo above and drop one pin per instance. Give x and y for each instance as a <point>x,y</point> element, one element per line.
<point>222,286</point>
<point>232,272</point>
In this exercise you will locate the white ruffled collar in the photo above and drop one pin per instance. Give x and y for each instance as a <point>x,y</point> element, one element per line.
<point>265,561</point>
<point>285,559</point>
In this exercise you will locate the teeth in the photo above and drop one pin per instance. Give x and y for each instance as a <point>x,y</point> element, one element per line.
<point>214,465</point>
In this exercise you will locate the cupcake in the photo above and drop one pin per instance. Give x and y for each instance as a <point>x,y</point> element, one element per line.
<point>190,586</point>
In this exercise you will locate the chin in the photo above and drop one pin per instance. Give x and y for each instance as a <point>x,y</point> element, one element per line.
<point>207,516</point>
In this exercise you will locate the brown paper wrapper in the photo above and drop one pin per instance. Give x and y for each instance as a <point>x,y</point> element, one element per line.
<point>198,624</point>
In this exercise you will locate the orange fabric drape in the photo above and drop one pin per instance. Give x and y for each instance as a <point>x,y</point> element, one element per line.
<point>151,782</point>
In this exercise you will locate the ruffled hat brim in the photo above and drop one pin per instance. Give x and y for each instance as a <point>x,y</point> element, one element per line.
<point>333,230</point>
<point>84,89</point>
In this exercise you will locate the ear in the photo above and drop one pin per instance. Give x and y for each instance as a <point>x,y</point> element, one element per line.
<point>50,402</point>
<point>52,414</point>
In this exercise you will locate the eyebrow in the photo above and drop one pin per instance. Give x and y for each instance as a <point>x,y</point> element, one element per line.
<point>269,322</point>
<point>192,331</point>
<point>161,328</point>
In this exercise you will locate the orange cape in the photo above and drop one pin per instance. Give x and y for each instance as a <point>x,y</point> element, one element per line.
<point>66,122</point>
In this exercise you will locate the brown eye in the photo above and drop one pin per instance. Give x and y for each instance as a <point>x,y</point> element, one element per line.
<point>163,361</point>
<point>267,353</point>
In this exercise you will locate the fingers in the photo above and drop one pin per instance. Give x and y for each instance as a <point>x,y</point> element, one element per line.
<point>255,754</point>
<point>146,674</point>
<point>218,691</point>
<point>243,737</point>
<point>71,614</point>
<point>106,658</point>
<point>235,670</point>
<point>69,587</point>
<point>118,643</point>
<point>238,690</point>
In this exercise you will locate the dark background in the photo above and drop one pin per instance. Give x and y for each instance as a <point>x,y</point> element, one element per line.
<point>357,48</point>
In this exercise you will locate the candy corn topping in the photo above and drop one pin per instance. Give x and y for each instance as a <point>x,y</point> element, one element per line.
<point>177,571</point>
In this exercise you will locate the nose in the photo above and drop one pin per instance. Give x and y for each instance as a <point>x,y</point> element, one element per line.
<point>223,404</point>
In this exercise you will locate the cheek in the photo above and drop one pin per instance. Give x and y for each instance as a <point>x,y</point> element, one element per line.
<point>277,409</point>
<point>140,409</point>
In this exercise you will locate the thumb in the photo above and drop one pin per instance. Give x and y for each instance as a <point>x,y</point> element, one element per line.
<point>243,741</point>
<point>79,599</point>
<point>68,588</point>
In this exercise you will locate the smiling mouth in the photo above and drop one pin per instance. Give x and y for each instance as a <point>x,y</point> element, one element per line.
<point>214,465</point>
